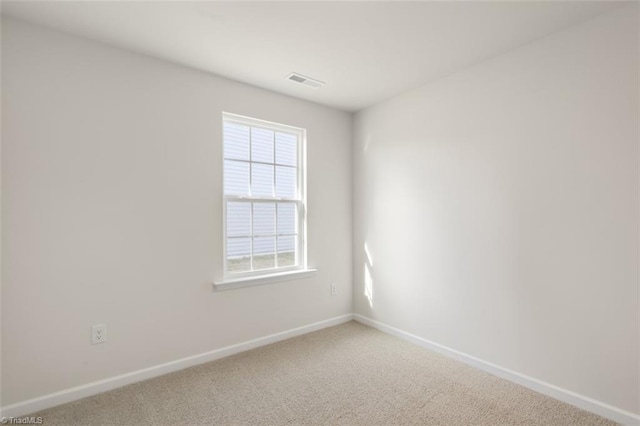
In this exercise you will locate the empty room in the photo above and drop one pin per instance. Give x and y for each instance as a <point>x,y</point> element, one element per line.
<point>320,213</point>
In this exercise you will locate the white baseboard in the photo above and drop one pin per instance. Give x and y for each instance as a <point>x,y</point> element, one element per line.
<point>94,388</point>
<point>575,399</point>
<point>90,389</point>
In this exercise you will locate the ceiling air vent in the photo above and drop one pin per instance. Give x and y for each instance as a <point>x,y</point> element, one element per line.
<point>304,80</point>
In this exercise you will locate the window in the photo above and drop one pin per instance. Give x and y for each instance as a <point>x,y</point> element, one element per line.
<point>264,197</point>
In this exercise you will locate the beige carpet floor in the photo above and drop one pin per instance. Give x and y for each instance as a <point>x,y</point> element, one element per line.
<point>345,375</point>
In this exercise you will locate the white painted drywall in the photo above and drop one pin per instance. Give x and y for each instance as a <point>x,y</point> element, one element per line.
<point>111,195</point>
<point>499,210</point>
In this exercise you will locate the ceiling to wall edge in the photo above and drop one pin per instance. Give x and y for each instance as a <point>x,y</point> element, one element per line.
<point>351,111</point>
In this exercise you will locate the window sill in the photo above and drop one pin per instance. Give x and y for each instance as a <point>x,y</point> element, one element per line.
<point>263,279</point>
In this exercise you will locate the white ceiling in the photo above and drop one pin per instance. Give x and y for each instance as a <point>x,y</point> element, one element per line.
<point>364,51</point>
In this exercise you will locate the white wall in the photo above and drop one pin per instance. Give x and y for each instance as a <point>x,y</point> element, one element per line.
<point>111,194</point>
<point>499,207</point>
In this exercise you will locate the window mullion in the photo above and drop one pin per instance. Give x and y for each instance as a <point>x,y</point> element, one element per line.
<point>275,204</point>
<point>275,231</point>
<point>250,161</point>
<point>300,256</point>
<point>235,160</point>
<point>251,240</point>
<point>251,193</point>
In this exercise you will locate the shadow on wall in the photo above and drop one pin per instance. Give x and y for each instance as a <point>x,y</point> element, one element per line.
<point>368,280</point>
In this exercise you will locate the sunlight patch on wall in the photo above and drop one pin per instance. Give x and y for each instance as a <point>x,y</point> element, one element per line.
<point>368,280</point>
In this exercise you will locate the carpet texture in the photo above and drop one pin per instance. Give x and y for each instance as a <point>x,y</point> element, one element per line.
<point>350,374</point>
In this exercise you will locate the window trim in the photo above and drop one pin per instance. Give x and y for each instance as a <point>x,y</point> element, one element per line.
<point>263,276</point>
<point>275,277</point>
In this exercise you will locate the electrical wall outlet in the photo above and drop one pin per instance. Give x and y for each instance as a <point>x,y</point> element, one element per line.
<point>333,289</point>
<point>98,334</point>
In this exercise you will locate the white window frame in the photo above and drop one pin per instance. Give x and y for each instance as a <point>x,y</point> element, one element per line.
<point>263,276</point>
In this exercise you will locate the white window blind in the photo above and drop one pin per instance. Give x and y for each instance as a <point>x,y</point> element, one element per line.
<point>264,203</point>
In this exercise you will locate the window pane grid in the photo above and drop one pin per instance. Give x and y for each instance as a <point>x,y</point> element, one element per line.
<point>265,167</point>
<point>270,240</point>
